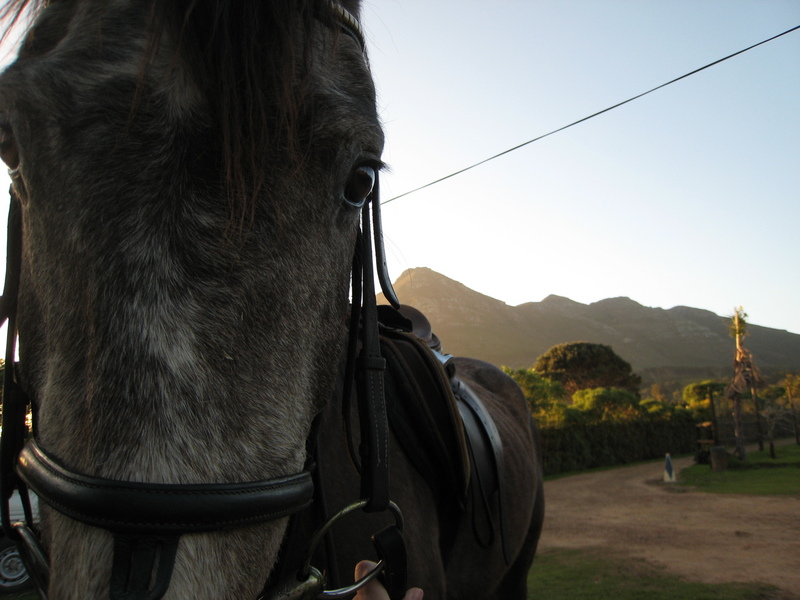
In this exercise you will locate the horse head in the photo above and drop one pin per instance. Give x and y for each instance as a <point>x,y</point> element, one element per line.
<point>188,177</point>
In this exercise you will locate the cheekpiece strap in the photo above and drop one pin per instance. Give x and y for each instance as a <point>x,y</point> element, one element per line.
<point>369,378</point>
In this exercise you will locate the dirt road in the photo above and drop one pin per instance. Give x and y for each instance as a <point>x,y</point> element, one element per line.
<point>702,537</point>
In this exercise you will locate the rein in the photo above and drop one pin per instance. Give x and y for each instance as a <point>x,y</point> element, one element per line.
<point>147,519</point>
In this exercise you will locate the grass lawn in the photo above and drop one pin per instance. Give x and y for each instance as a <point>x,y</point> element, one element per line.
<point>759,474</point>
<point>579,574</point>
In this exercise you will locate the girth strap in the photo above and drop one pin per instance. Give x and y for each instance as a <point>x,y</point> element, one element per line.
<point>158,508</point>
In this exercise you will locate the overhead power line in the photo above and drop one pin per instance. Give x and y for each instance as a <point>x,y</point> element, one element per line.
<point>592,116</point>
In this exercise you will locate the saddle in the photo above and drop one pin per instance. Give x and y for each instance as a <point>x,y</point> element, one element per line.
<point>441,424</point>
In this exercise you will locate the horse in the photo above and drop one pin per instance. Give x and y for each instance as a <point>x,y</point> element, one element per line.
<point>191,187</point>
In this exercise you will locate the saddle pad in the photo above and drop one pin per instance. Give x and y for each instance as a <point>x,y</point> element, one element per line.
<point>424,416</point>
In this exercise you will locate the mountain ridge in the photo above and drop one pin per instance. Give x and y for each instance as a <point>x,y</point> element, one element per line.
<point>682,341</point>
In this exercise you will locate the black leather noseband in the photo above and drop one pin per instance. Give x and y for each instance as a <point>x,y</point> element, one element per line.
<point>148,519</point>
<point>168,509</point>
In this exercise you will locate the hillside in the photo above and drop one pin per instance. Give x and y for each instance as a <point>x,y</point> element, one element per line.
<point>678,343</point>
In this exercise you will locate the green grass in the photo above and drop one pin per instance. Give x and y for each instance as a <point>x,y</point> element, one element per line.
<point>759,474</point>
<point>578,574</point>
<point>785,455</point>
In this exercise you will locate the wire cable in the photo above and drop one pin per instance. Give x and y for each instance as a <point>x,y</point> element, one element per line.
<point>592,116</point>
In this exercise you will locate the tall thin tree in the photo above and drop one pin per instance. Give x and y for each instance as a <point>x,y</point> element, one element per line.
<point>745,378</point>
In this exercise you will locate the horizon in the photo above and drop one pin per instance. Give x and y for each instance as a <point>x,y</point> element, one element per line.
<point>749,320</point>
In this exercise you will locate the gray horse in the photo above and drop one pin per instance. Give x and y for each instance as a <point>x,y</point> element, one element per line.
<point>189,176</point>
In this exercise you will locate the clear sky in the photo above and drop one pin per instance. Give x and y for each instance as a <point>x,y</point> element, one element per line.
<point>688,196</point>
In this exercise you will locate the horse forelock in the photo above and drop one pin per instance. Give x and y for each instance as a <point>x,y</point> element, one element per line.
<point>250,60</point>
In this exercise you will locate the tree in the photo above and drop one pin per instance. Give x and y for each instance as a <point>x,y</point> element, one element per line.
<point>776,419</point>
<point>700,396</point>
<point>540,391</point>
<point>583,365</point>
<point>655,393</point>
<point>606,402</point>
<point>745,377</point>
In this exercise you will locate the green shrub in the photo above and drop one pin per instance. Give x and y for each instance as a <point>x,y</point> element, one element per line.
<point>604,401</point>
<point>587,445</point>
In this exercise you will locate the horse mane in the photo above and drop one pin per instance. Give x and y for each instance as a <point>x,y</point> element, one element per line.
<point>245,57</point>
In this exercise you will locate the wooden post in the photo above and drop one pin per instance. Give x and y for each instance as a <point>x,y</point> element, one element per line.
<point>719,458</point>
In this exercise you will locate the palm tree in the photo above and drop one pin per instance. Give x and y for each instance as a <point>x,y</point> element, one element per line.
<point>745,377</point>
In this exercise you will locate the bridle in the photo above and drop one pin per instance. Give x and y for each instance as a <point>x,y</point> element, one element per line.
<point>148,519</point>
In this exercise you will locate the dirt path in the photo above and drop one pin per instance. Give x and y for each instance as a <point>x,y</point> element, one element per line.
<point>702,537</point>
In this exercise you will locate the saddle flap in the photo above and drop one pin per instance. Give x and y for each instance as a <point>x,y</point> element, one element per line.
<point>424,415</point>
<point>442,425</point>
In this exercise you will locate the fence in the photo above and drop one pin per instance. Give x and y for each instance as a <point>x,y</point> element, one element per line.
<point>727,435</point>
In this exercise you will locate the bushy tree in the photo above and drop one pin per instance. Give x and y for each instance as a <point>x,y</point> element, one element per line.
<point>773,395</point>
<point>584,365</point>
<point>561,415</point>
<point>605,403</point>
<point>699,397</point>
<point>702,400</point>
<point>540,391</point>
<point>653,405</point>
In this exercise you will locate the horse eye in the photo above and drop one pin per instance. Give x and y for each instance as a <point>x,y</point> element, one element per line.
<point>359,186</point>
<point>8,148</point>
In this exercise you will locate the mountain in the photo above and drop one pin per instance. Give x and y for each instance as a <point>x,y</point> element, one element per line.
<point>680,343</point>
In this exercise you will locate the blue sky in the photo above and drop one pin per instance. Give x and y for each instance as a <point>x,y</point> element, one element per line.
<point>688,196</point>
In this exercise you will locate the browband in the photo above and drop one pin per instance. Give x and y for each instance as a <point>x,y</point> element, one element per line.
<point>166,509</point>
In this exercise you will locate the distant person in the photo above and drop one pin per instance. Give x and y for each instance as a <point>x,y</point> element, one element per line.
<point>374,590</point>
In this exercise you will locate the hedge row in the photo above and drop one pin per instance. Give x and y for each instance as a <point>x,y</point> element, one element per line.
<point>580,446</point>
